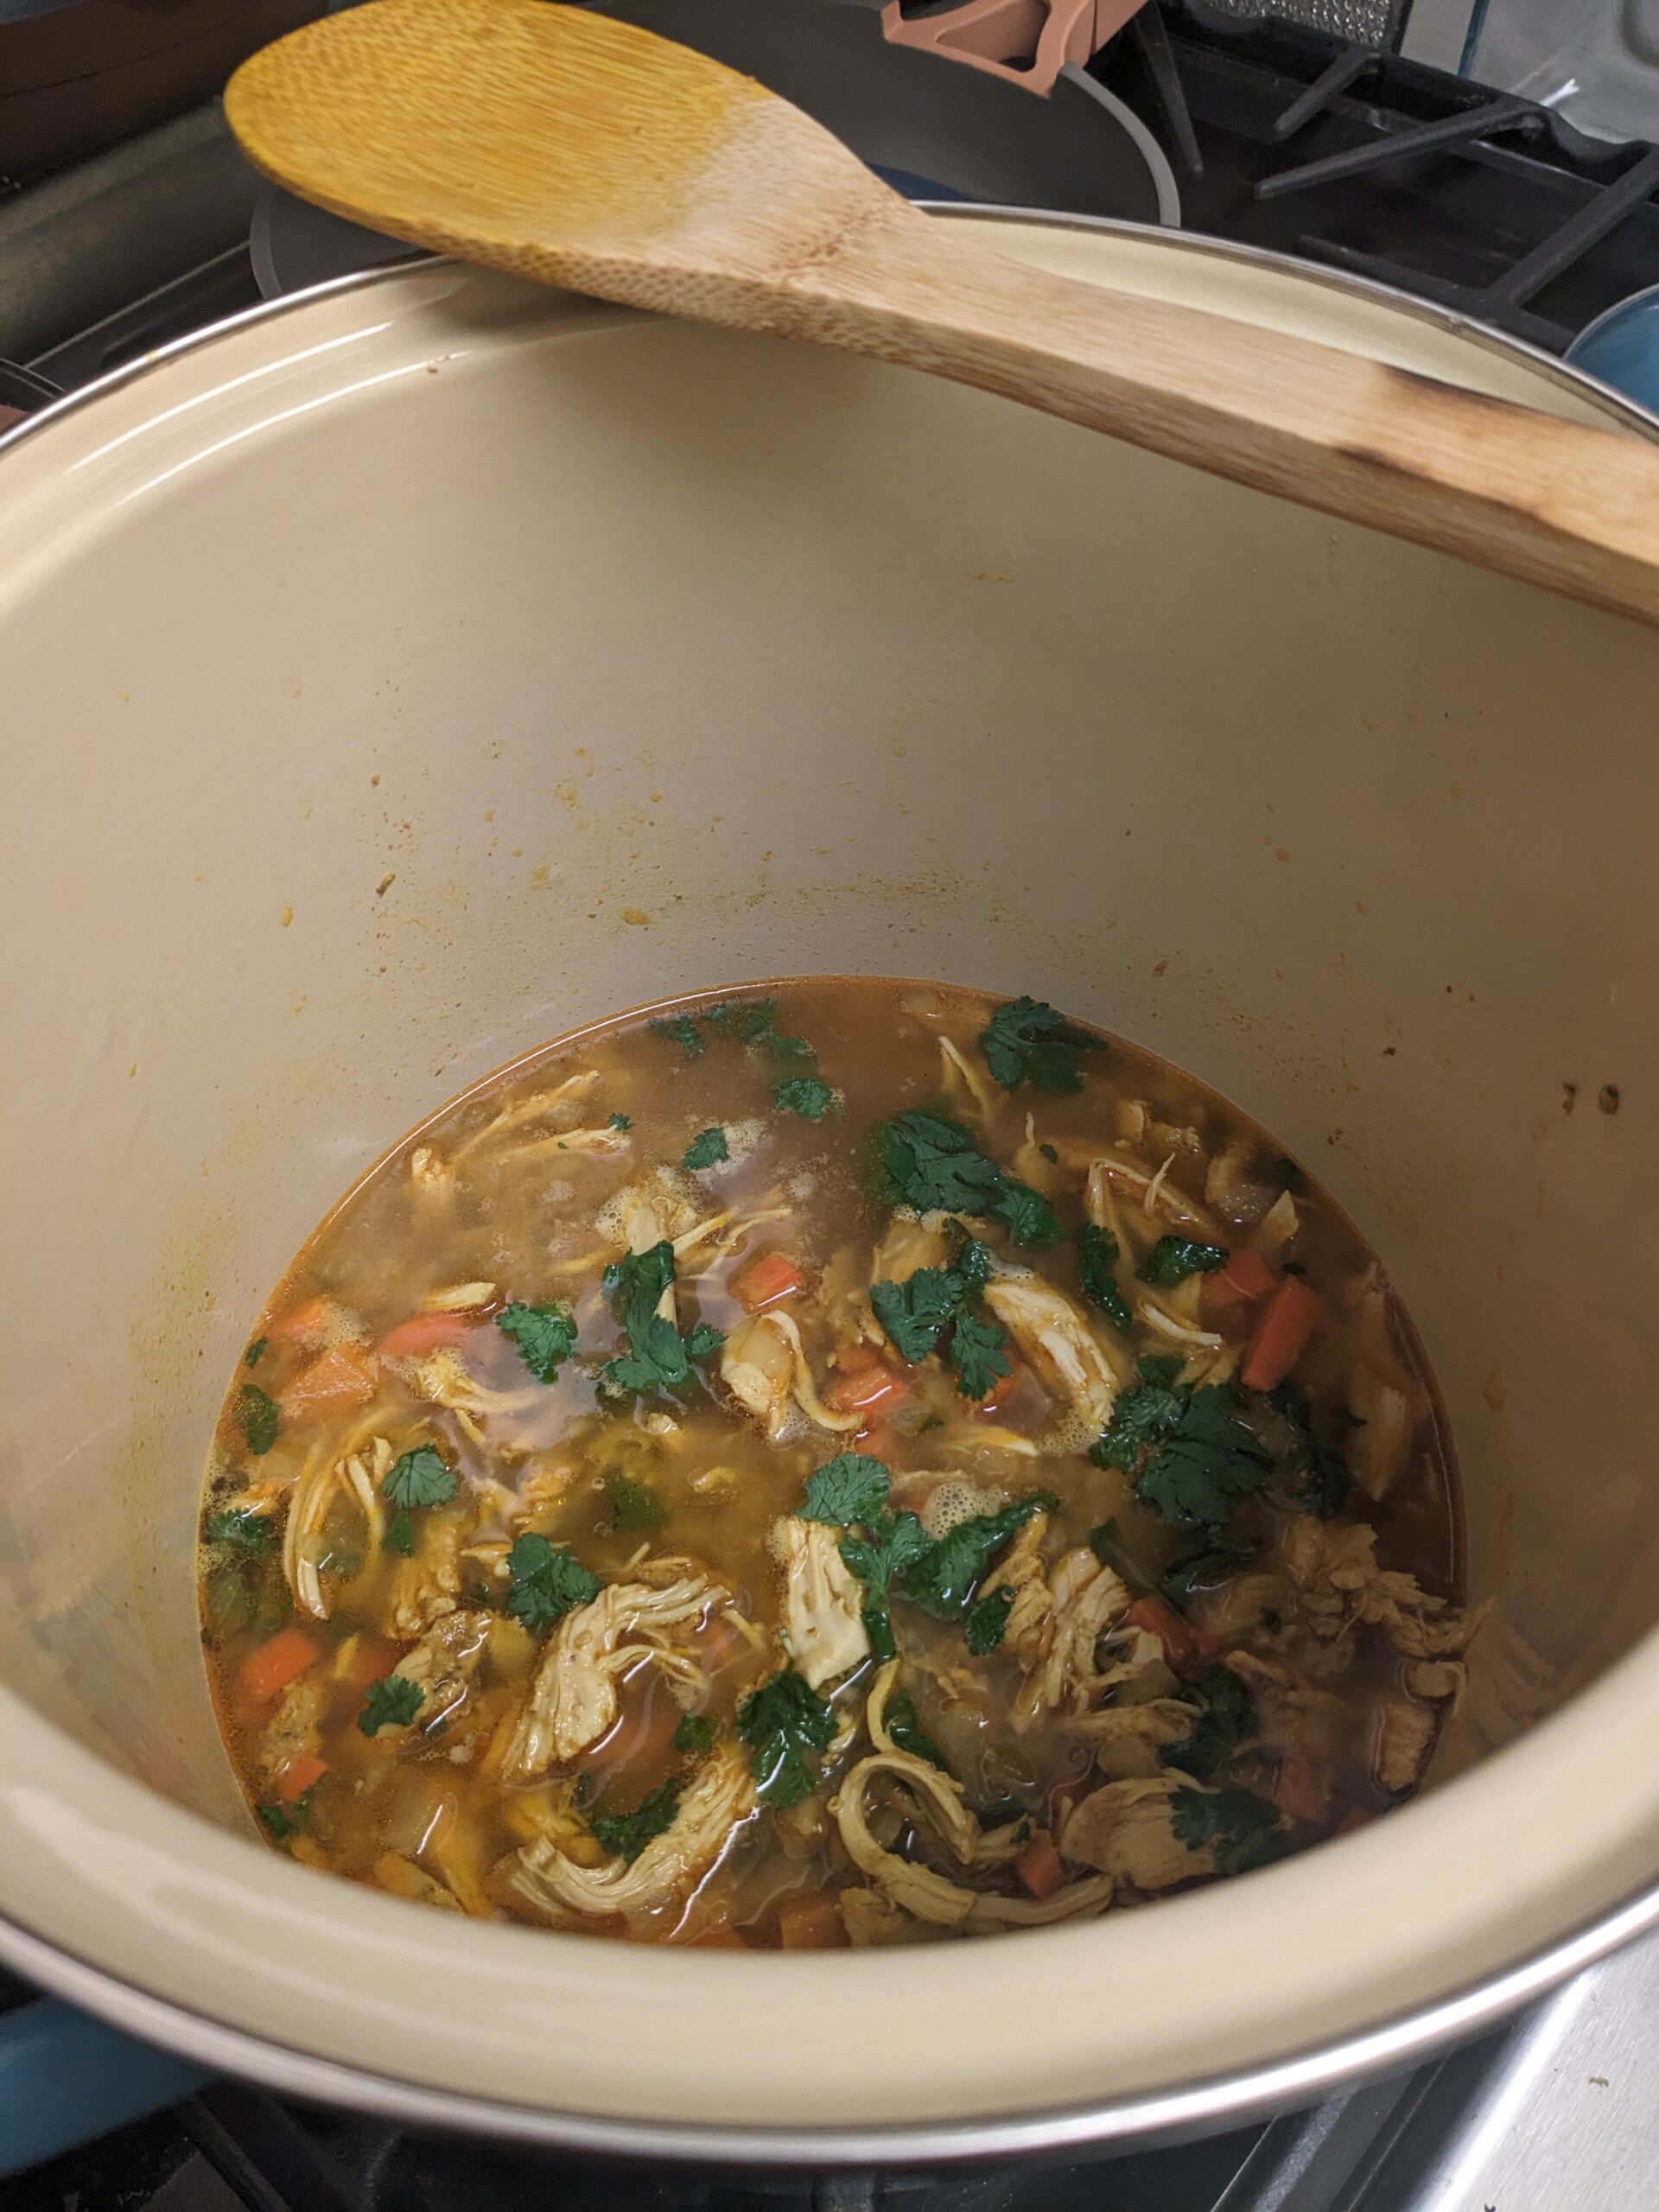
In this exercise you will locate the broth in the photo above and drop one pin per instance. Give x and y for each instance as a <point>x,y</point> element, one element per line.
<point>846,1462</point>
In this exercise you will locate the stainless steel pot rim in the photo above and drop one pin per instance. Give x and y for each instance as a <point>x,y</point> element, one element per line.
<point>1164,2115</point>
<point>1612,403</point>
<point>1150,2121</point>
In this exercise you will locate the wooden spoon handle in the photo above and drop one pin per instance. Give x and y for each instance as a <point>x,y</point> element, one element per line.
<point>1558,503</point>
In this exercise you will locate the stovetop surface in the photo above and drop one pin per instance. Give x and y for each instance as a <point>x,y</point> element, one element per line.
<point>1273,135</point>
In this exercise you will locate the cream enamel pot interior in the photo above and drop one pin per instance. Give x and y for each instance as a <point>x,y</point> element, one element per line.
<point>408,674</point>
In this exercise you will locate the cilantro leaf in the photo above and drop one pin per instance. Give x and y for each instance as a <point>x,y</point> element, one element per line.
<point>400,1533</point>
<point>1027,1215</point>
<point>419,1477</point>
<point>545,1335</point>
<point>626,1834</point>
<point>788,1048</point>
<point>248,1532</point>
<point>707,1150</point>
<point>907,1732</point>
<point>1242,1829</point>
<point>1205,1464</point>
<point>283,1822</point>
<point>977,1352</point>
<point>1097,1258</point>
<point>392,1702</point>
<point>636,1505</point>
<point>780,1723</point>
<point>682,1030</point>
<point>1158,1368</point>
<point>1172,1259</point>
<point>1225,1717</point>
<point>547,1581</point>
<point>618,1122</point>
<point>850,1487</point>
<point>695,1733</point>
<point>657,1357</point>
<point>896,1541</point>
<point>1028,1041</point>
<point>747,1020</point>
<point>1326,1477</point>
<point>255,1352</point>
<point>943,1580</point>
<point>987,1620</point>
<point>805,1095</point>
<point>257,1418</point>
<point>916,1313</point>
<point>931,1163</point>
<point>1139,1418</point>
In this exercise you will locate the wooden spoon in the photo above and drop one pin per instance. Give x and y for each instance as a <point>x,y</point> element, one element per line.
<point>563,146</point>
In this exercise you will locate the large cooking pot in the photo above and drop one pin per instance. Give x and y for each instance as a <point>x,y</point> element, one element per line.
<point>404,674</point>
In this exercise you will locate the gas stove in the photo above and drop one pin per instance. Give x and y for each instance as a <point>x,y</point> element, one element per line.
<point>1342,146</point>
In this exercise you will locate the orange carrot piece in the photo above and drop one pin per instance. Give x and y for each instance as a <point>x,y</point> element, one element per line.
<point>337,1380</point>
<point>1184,1643</point>
<point>1231,1292</point>
<point>1039,1864</point>
<point>276,1662</point>
<point>1004,1387</point>
<point>764,1281</point>
<point>812,1924</point>
<point>1288,1319</point>
<point>300,1325</point>
<point>861,1381</point>
<point>301,1773</point>
<point>425,1333</point>
<point>1300,1790</point>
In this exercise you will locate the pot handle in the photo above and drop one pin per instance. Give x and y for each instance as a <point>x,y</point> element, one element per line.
<point>66,2079</point>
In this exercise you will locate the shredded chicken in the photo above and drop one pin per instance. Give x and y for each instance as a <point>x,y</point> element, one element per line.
<point>1055,1622</point>
<point>574,1699</point>
<point>428,1583</point>
<point>1405,1736</point>
<point>444,1378</point>
<point>763,1364</point>
<point>547,1883</point>
<point>1153,1192</point>
<point>1340,1583</point>
<point>355,1474</point>
<point>823,1625</point>
<point>1128,1738</point>
<point>293,1728</point>
<point>444,1661</point>
<point>1379,1449</point>
<point>1281,1226</point>
<point>873,1921</point>
<point>1127,1830</point>
<point>560,1108</point>
<point>907,1245</point>
<point>962,1080</point>
<point>1052,1332</point>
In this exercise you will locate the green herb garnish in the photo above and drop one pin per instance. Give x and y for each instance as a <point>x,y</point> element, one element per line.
<point>932,1163</point>
<point>707,1150</point>
<point>246,1531</point>
<point>255,1351</point>
<point>907,1732</point>
<point>696,1733</point>
<point>805,1094</point>
<point>392,1702</point>
<point>419,1477</point>
<point>636,1505</point>
<point>400,1533</point>
<point>896,1541</point>
<point>1172,1259</point>
<point>626,1834</point>
<point>1028,1042</point>
<point>850,1487</point>
<point>1225,1717</point>
<point>657,1357</point>
<point>1205,1464</point>
<point>987,1620</point>
<point>1026,1215</point>
<point>618,1122</point>
<point>257,1418</point>
<point>283,1822</point>
<point>1242,1829</point>
<point>943,1580</point>
<point>780,1723</point>
<point>1325,1478</point>
<point>549,1581</point>
<point>682,1030</point>
<point>1097,1258</point>
<point>545,1335</point>
<point>916,1313</point>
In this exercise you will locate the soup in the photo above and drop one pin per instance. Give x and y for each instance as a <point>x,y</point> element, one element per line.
<point>854,1462</point>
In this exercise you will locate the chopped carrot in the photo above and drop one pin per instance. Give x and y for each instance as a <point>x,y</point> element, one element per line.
<point>1184,1643</point>
<point>767,1280</point>
<point>1288,1319</point>
<point>425,1333</point>
<point>861,1381</point>
<point>1301,1790</point>
<point>1003,1388</point>
<point>334,1382</point>
<point>301,1773</point>
<point>304,1324</point>
<point>1231,1292</point>
<point>272,1665</point>
<point>1039,1864</point>
<point>813,1924</point>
